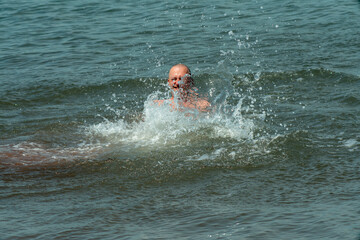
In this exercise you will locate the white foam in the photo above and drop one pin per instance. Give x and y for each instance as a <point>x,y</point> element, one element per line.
<point>162,124</point>
<point>160,128</point>
<point>351,143</point>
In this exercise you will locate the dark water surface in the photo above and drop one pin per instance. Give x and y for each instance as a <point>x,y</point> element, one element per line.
<point>85,154</point>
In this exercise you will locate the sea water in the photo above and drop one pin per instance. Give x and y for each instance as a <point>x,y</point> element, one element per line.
<point>86,152</point>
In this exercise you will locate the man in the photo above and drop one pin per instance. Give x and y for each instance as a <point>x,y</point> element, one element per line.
<point>182,90</point>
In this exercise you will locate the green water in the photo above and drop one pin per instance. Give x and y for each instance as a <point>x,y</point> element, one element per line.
<point>85,154</point>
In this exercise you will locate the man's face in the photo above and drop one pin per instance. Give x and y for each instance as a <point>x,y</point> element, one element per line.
<point>179,77</point>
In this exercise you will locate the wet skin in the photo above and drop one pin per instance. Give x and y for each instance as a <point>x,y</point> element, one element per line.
<point>181,83</point>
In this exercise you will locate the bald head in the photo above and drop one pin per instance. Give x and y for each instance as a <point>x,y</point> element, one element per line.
<point>180,77</point>
<point>179,69</point>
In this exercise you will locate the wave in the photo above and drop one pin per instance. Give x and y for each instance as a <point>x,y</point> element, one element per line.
<point>45,91</point>
<point>250,112</point>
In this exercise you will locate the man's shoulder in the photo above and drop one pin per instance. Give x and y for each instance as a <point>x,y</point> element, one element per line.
<point>203,105</point>
<point>203,102</point>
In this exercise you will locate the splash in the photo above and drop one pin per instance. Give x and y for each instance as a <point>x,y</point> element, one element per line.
<point>155,131</point>
<point>161,125</point>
